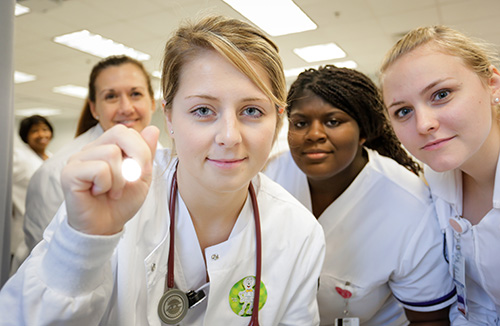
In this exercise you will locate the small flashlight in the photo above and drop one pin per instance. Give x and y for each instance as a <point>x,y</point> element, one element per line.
<point>131,170</point>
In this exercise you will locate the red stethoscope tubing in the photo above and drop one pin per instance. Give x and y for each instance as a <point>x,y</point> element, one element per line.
<point>254,321</point>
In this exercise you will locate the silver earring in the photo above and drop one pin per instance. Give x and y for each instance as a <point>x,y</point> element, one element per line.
<point>171,132</point>
<point>497,100</point>
<point>97,117</point>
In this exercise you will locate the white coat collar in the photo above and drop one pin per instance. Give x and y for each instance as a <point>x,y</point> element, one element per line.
<point>448,185</point>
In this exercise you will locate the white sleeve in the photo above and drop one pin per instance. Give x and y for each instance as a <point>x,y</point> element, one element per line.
<point>43,199</point>
<point>67,280</point>
<point>422,281</point>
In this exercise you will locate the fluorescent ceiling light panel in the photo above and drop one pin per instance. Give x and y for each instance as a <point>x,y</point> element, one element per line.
<point>320,52</point>
<point>156,74</point>
<point>21,10</point>
<point>293,72</point>
<point>346,64</point>
<point>71,90</point>
<point>275,17</point>
<point>41,111</point>
<point>21,77</point>
<point>97,45</point>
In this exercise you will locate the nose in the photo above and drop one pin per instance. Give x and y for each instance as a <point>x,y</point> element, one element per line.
<point>426,119</point>
<point>126,106</point>
<point>228,130</point>
<point>316,132</point>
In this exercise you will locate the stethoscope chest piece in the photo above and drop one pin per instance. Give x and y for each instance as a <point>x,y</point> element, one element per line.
<point>173,306</point>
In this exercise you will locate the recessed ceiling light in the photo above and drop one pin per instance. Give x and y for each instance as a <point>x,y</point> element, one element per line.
<point>290,18</point>
<point>293,72</point>
<point>320,52</point>
<point>41,111</point>
<point>351,64</point>
<point>22,77</point>
<point>21,10</point>
<point>99,46</point>
<point>71,90</point>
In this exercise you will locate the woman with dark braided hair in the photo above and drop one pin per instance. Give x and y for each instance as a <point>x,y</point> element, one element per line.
<point>384,264</point>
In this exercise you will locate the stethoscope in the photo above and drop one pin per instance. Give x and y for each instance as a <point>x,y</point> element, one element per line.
<point>174,303</point>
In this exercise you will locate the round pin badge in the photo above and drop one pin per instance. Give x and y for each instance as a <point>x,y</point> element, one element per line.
<point>173,306</point>
<point>242,294</point>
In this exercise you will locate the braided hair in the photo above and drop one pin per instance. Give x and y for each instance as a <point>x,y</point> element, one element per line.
<point>355,94</point>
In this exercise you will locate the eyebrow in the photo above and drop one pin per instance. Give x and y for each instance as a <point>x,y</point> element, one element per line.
<point>431,85</point>
<point>424,90</point>
<point>209,97</point>
<point>113,89</point>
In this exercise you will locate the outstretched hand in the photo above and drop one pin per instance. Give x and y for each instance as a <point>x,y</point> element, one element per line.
<point>98,199</point>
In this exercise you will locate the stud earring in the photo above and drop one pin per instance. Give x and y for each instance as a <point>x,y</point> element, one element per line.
<point>97,117</point>
<point>497,100</point>
<point>171,132</point>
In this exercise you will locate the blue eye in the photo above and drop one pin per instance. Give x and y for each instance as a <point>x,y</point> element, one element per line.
<point>252,112</point>
<point>441,94</point>
<point>401,113</point>
<point>203,111</point>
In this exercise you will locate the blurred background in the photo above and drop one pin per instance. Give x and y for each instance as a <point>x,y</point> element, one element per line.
<point>362,29</point>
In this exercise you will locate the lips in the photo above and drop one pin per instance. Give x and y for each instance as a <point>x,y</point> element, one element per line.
<point>316,154</point>
<point>436,144</point>
<point>226,163</point>
<point>127,122</point>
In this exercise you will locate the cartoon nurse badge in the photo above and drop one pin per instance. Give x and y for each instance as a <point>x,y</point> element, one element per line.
<point>241,296</point>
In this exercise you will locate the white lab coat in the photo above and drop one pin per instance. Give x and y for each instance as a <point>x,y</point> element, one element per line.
<point>24,164</point>
<point>382,237</point>
<point>480,245</point>
<point>78,279</point>
<point>45,194</point>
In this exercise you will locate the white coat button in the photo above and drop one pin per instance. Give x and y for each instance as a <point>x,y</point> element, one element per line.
<point>215,257</point>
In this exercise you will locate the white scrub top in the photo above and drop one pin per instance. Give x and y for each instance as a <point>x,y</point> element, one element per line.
<point>382,243</point>
<point>45,194</point>
<point>480,245</point>
<point>80,279</point>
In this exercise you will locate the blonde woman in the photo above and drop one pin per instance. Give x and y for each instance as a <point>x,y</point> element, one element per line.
<point>201,238</point>
<point>442,93</point>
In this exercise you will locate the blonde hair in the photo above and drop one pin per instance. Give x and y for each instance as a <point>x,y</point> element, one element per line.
<point>476,54</point>
<point>238,42</point>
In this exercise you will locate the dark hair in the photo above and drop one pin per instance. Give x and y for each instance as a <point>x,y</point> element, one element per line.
<point>86,120</point>
<point>355,94</point>
<point>27,123</point>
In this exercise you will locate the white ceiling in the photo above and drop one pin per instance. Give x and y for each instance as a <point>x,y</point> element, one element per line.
<point>365,29</point>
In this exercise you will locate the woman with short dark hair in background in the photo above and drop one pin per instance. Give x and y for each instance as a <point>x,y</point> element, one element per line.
<point>36,132</point>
